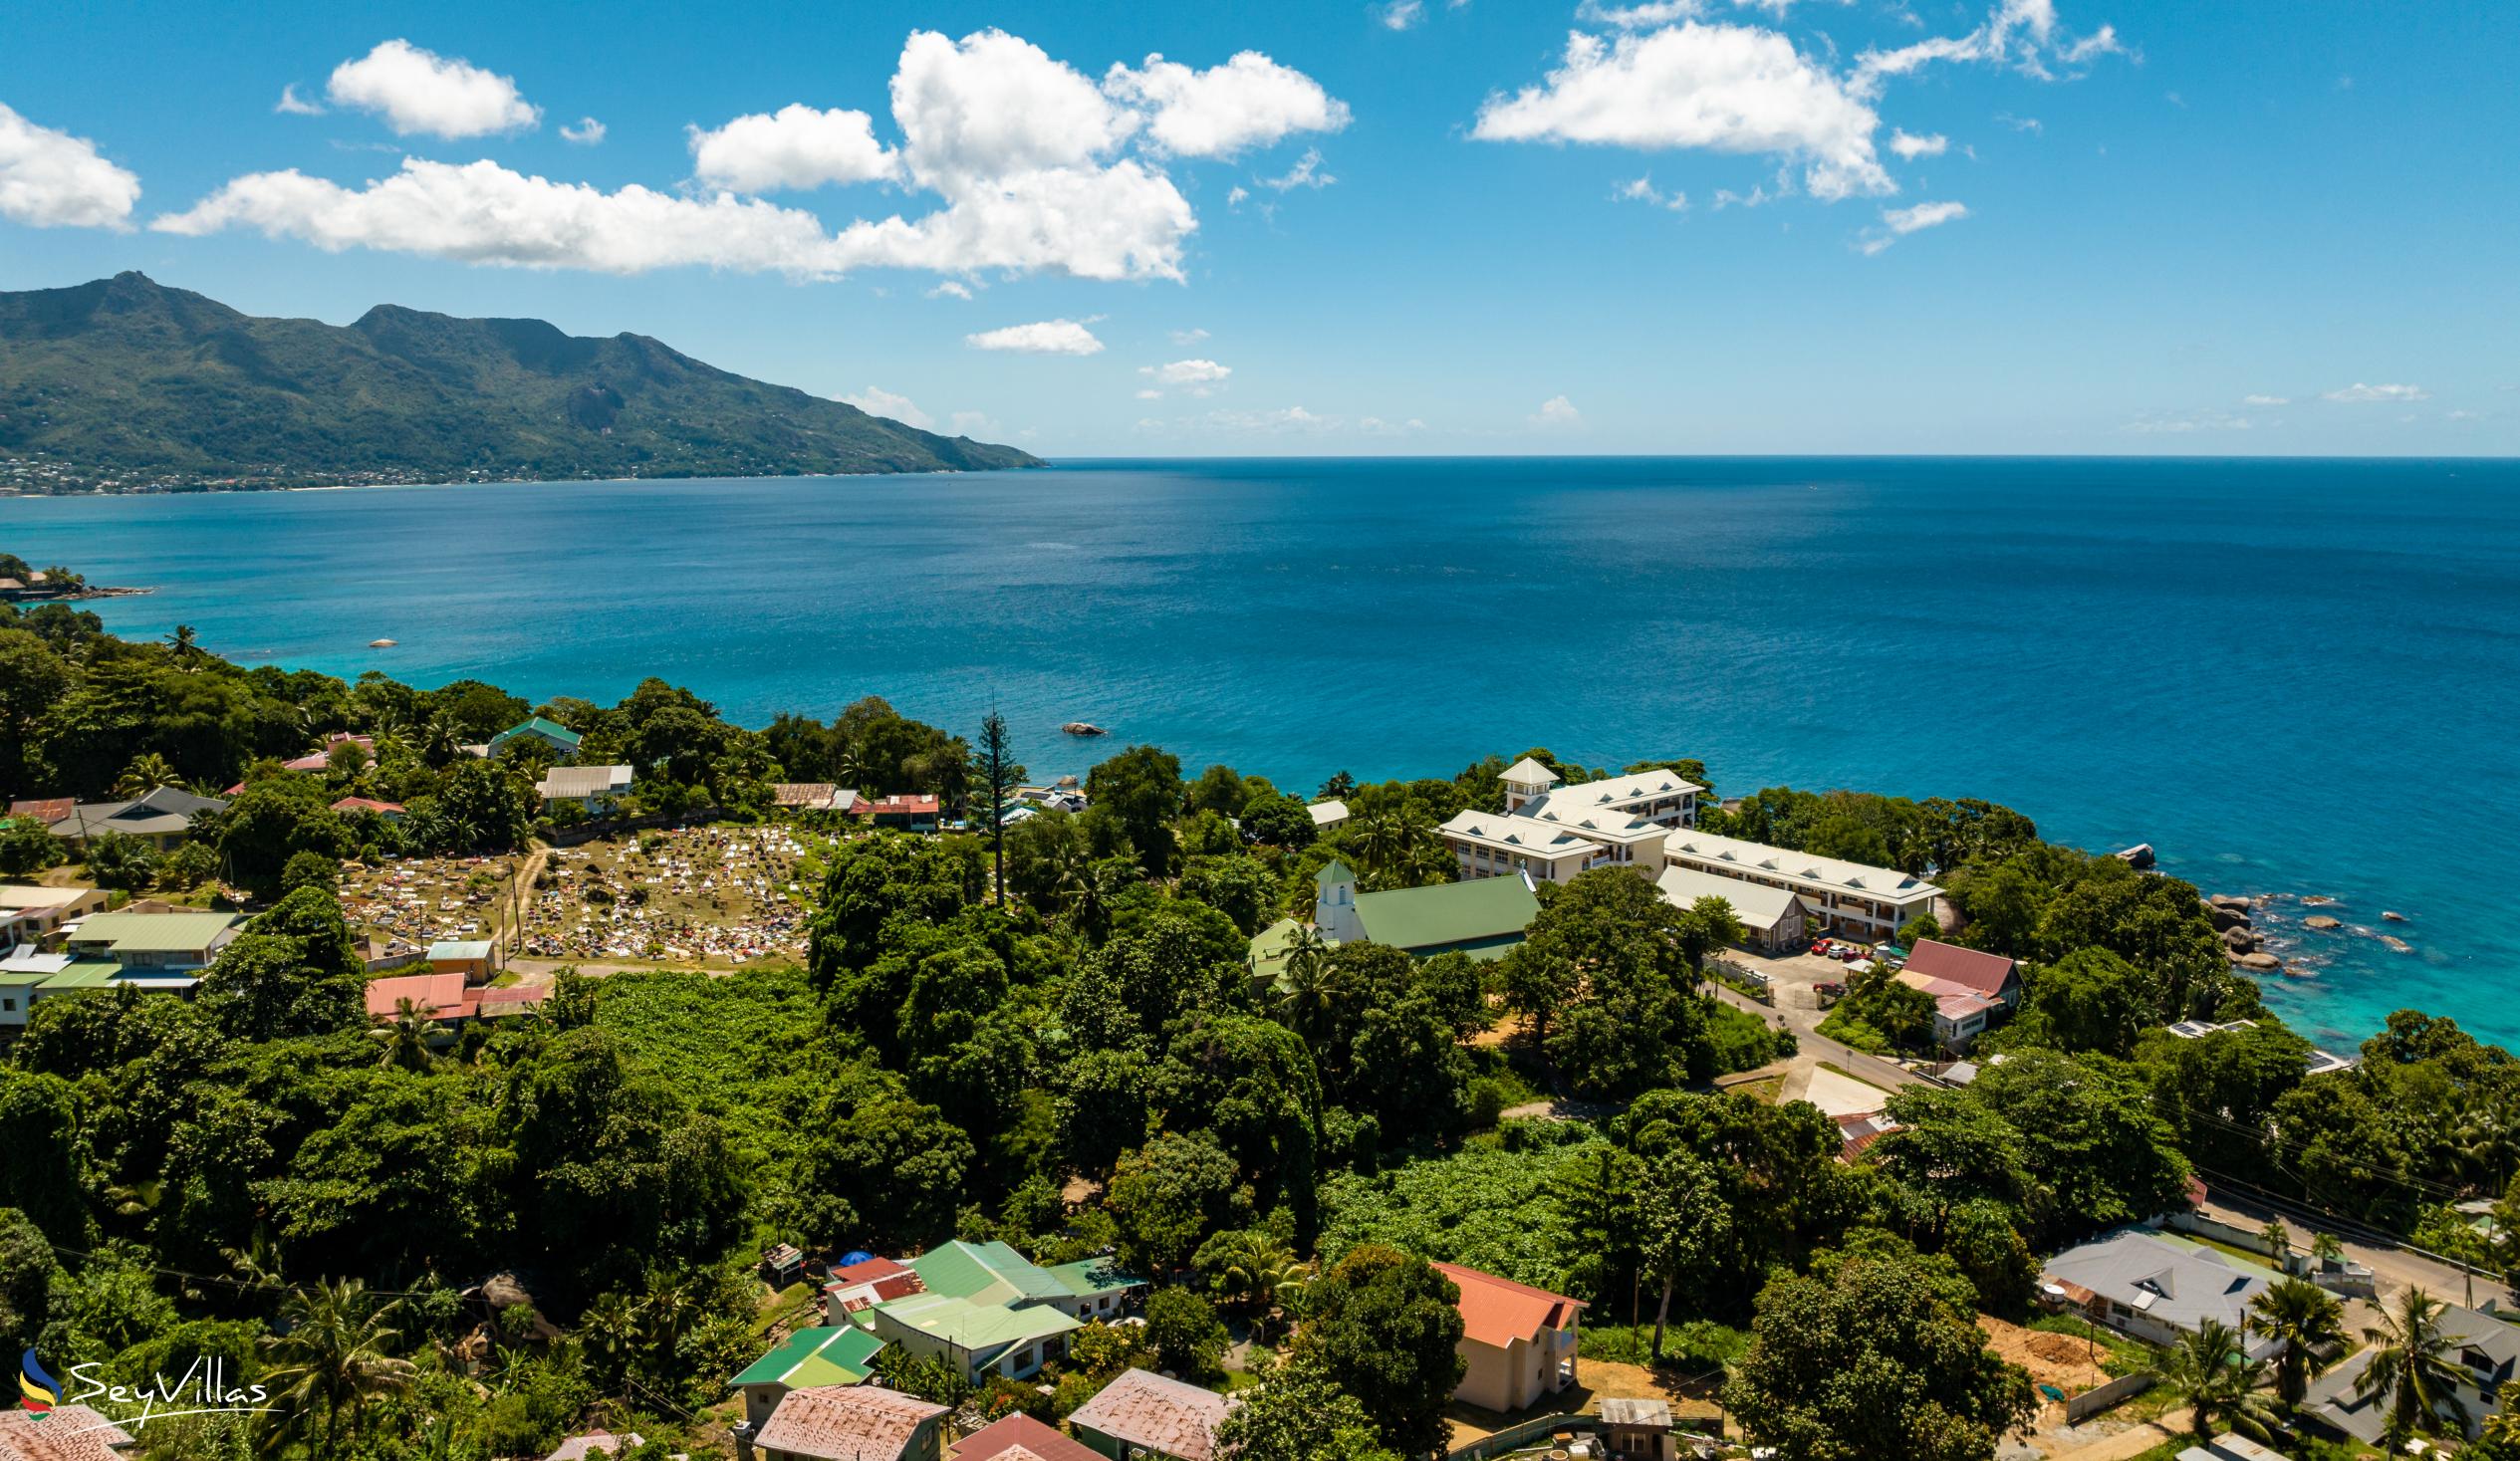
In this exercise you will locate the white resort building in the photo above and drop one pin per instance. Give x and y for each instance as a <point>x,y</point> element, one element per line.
<point>1647,822</point>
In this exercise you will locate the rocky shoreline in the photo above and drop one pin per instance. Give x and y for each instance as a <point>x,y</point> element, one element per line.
<point>2237,918</point>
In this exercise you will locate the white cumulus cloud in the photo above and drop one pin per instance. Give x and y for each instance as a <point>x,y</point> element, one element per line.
<point>1305,173</point>
<point>2022,33</point>
<point>417,91</point>
<point>1189,373</point>
<point>1642,190</point>
<point>1721,88</point>
<point>1249,102</point>
<point>1903,221</point>
<point>1557,413</point>
<point>796,147</point>
<point>2266,400</point>
<point>1041,337</point>
<point>951,288</point>
<point>1188,337</point>
<point>51,179</point>
<point>1026,164</point>
<point>1400,15</point>
<point>2359,393</point>
<point>293,105</point>
<point>1910,146</point>
<point>586,132</point>
<point>874,401</point>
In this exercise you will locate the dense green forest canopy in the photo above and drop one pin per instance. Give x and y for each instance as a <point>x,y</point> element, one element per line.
<point>574,1200</point>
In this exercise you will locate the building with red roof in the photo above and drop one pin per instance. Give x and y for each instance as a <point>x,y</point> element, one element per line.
<point>446,999</point>
<point>918,814</point>
<point>1969,988</point>
<point>1517,1341</point>
<point>1991,975</point>
<point>1019,1437</point>
<point>858,1287</point>
<point>389,811</point>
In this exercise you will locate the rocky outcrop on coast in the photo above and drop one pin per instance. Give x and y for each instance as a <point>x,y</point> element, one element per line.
<point>2236,918</point>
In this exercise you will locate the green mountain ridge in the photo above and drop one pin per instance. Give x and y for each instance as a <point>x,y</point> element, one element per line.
<point>126,382</point>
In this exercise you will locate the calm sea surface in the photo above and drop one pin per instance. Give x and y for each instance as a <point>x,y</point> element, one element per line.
<point>2297,677</point>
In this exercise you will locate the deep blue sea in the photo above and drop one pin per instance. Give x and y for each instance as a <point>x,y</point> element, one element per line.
<point>2293,677</point>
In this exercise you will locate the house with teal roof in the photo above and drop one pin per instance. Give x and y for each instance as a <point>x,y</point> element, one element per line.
<point>1098,1288</point>
<point>840,1356</point>
<point>562,740</point>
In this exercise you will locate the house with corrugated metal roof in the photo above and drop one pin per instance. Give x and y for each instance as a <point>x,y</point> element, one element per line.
<point>842,1354</point>
<point>1517,1344</point>
<point>1140,1414</point>
<point>1482,918</point>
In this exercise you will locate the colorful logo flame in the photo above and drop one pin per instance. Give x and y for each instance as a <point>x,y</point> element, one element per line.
<point>37,1391</point>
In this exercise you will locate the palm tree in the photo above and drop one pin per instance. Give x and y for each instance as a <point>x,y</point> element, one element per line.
<point>440,741</point>
<point>186,647</point>
<point>2308,1318</point>
<point>2413,1364</point>
<point>610,1331</point>
<point>2211,1371</point>
<point>404,1039</point>
<point>2489,1139</point>
<point>2278,1240</point>
<point>1384,841</point>
<point>333,1354</point>
<point>1260,1274</point>
<point>2327,1250</point>
<point>146,774</point>
<point>1307,995</point>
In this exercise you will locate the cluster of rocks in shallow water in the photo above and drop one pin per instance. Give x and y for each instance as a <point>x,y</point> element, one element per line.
<point>2235,918</point>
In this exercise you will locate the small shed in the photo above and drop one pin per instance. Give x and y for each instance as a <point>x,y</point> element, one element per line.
<point>1638,1429</point>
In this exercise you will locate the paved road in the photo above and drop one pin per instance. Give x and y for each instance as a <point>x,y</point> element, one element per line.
<point>2394,1267</point>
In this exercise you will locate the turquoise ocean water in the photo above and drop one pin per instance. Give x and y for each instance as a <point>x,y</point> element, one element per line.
<point>2293,677</point>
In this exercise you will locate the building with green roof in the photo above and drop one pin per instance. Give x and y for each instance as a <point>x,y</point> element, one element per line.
<point>1010,1339</point>
<point>552,733</point>
<point>842,1355</point>
<point>1483,917</point>
<point>985,1273</point>
<point>1097,1287</point>
<point>153,943</point>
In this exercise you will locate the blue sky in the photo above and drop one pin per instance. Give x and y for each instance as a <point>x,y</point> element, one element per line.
<point>2104,226</point>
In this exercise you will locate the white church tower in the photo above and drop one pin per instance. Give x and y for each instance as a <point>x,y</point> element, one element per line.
<point>1334,904</point>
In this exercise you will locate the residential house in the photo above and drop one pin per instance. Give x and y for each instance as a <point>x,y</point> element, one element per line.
<point>23,973</point>
<point>596,789</point>
<point>845,1423</point>
<point>1482,918</point>
<point>162,819</point>
<point>446,999</point>
<point>469,957</point>
<point>911,813</point>
<point>855,1288</point>
<point>839,1355</point>
<point>2317,1063</point>
<point>351,805</point>
<point>562,740</point>
<point>985,1307</point>
<point>595,1443</point>
<point>1849,900</point>
<point>31,915</point>
<point>1328,815</point>
<point>810,795</point>
<point>1518,1342</point>
<point>1857,1130</point>
<point>1771,918</point>
<point>1013,1339</point>
<point>321,759</point>
<point>2156,1286</point>
<point>2484,1351</point>
<point>1098,1288</point>
<point>1143,1414</point>
<point>43,810</point>
<point>1018,1437</point>
<point>62,1433</point>
<point>1970,989</point>
<point>167,950</point>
